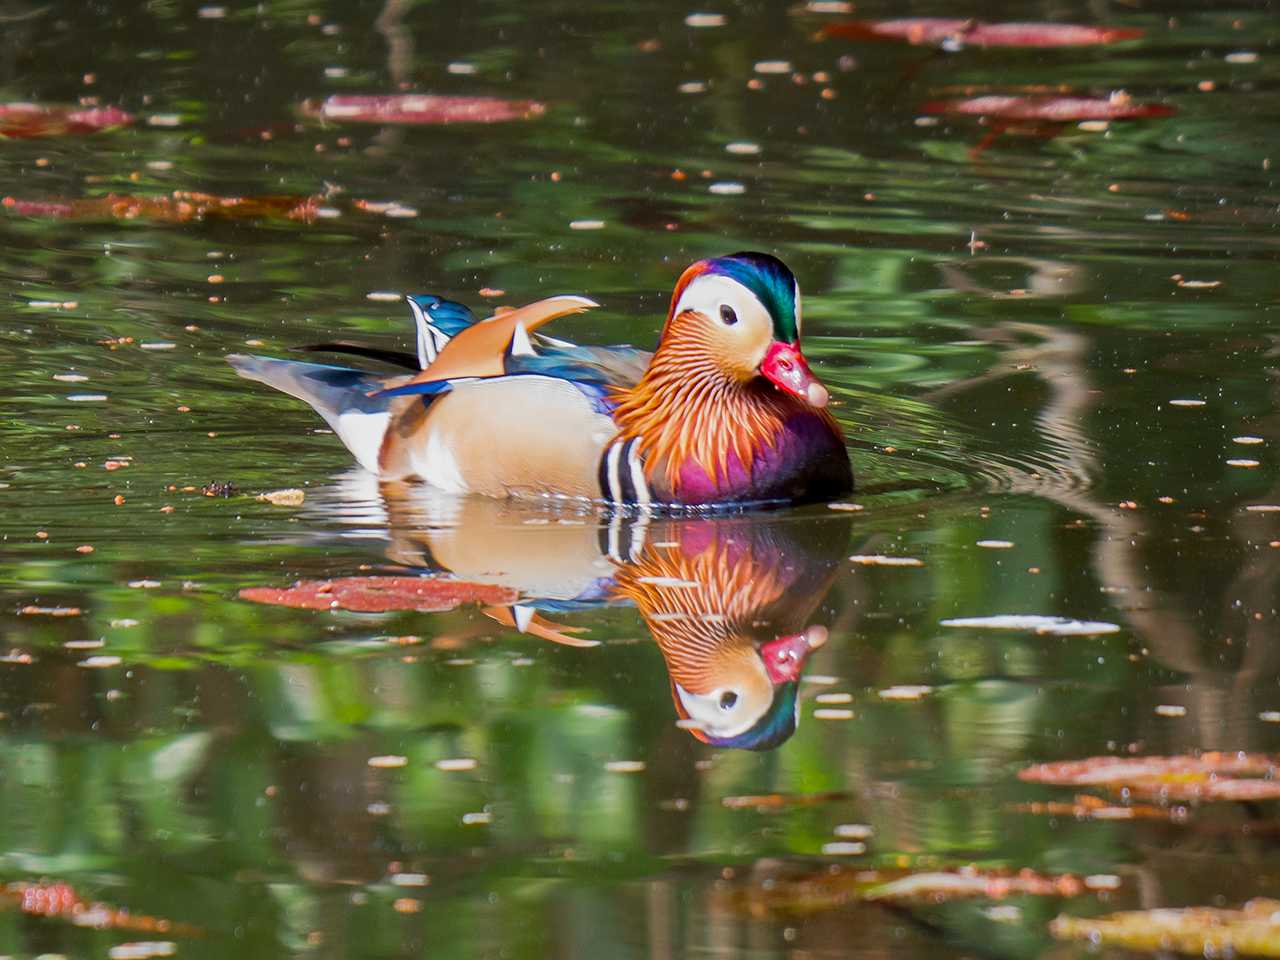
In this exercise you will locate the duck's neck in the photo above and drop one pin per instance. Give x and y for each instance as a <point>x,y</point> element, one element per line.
<point>686,411</point>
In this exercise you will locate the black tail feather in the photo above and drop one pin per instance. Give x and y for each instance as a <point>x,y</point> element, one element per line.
<point>395,358</point>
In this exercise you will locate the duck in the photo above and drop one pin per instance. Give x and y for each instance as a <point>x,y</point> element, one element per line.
<point>732,602</point>
<point>725,411</point>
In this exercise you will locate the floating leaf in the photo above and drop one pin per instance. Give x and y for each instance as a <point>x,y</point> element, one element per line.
<point>1051,109</point>
<point>939,30</point>
<point>60,900</point>
<point>1202,931</point>
<point>420,109</point>
<point>381,594</point>
<point>1210,776</point>
<point>25,121</point>
<point>182,206</point>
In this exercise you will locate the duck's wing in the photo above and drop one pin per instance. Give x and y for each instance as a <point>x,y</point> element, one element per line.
<point>605,366</point>
<point>482,350</point>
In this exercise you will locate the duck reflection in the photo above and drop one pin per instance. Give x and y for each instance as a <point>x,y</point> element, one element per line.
<point>730,600</point>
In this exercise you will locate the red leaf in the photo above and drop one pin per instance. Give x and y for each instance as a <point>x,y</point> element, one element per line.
<point>381,594</point>
<point>421,109</point>
<point>1052,109</point>
<point>937,30</point>
<point>24,121</point>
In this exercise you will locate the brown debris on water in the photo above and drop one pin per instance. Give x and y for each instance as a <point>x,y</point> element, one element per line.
<point>1207,777</point>
<point>1252,931</point>
<point>28,121</point>
<point>381,594</point>
<point>936,31</point>
<point>181,206</point>
<point>415,109</point>
<point>61,901</point>
<point>770,896</point>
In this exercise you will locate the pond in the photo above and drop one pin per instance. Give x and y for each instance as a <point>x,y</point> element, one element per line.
<point>357,721</point>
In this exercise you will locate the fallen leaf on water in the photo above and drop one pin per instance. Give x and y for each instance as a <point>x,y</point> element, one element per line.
<point>1252,931</point>
<point>291,497</point>
<point>25,121</point>
<point>381,594</point>
<point>60,900</point>
<point>34,611</point>
<point>1036,623</point>
<point>1088,807</point>
<point>420,109</point>
<point>1209,776</point>
<point>1052,109</point>
<point>939,30</point>
<point>181,206</point>
<point>944,885</point>
<point>772,895</point>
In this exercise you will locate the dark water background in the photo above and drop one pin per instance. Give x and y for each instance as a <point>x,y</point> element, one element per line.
<point>1002,331</point>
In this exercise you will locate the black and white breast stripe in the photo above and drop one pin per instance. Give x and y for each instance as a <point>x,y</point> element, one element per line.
<point>621,474</point>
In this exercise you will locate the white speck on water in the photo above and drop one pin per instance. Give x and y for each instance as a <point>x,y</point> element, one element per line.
<point>1102,881</point>
<point>409,879</point>
<point>829,713</point>
<point>704,20</point>
<point>461,68</point>
<point>880,560</point>
<point>833,698</point>
<point>853,831</point>
<point>479,818</point>
<point>211,13</point>
<point>846,507</point>
<point>742,148</point>
<point>692,86</point>
<point>1093,126</point>
<point>328,213</point>
<point>1239,462</point>
<point>1269,716</point>
<point>1248,441</point>
<point>1186,402</point>
<point>157,345</point>
<point>336,73</point>
<point>1037,623</point>
<point>454,764</point>
<point>727,188</point>
<point>1170,710</point>
<point>383,296</point>
<point>906,691</point>
<point>586,224</point>
<point>843,848</point>
<point>70,377</point>
<point>1263,508</point>
<point>926,121</point>
<point>625,766</point>
<point>995,544</point>
<point>820,679</point>
<point>388,761</point>
<point>773,66</point>
<point>400,212</point>
<point>99,662</point>
<point>164,120</point>
<point>144,584</point>
<point>829,6</point>
<point>1241,56</point>
<point>160,166</point>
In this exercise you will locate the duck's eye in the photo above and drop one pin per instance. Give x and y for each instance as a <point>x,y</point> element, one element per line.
<point>728,698</point>
<point>727,315</point>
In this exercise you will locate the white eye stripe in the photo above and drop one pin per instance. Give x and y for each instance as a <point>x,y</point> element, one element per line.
<point>706,293</point>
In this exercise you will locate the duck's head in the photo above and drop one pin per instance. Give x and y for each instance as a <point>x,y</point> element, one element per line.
<point>748,698</point>
<point>742,313</point>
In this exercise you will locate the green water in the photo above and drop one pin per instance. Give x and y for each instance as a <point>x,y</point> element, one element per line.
<point>1003,340</point>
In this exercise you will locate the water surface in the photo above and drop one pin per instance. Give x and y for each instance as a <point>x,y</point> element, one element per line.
<point>1054,358</point>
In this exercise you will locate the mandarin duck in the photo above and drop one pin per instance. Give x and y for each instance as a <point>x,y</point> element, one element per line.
<point>725,411</point>
<point>729,599</point>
